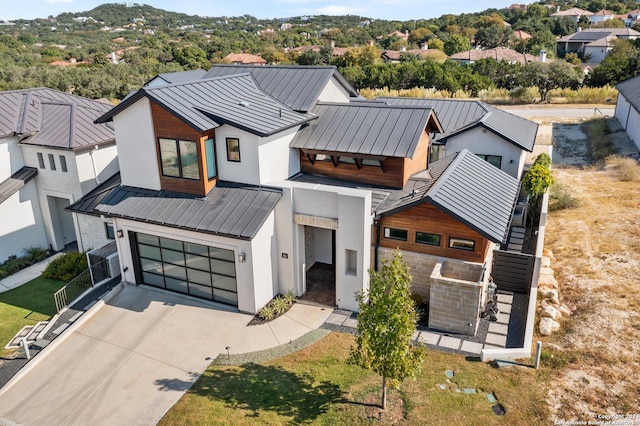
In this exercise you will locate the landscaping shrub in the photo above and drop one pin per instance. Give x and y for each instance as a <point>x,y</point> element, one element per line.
<point>560,198</point>
<point>626,169</point>
<point>35,254</point>
<point>277,306</point>
<point>14,263</point>
<point>543,159</point>
<point>66,267</point>
<point>599,146</point>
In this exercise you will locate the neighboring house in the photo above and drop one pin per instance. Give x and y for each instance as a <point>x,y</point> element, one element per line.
<point>630,18</point>
<point>521,35</point>
<point>244,59</point>
<point>596,42</point>
<point>237,186</point>
<point>52,154</point>
<point>498,137</point>
<point>574,13</point>
<point>628,108</point>
<point>395,56</point>
<point>498,53</point>
<point>601,16</point>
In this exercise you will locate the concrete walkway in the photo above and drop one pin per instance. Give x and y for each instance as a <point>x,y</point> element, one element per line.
<point>25,275</point>
<point>131,357</point>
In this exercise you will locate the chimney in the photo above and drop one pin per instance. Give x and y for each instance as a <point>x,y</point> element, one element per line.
<point>370,42</point>
<point>403,48</point>
<point>333,44</point>
<point>543,56</point>
<point>579,29</point>
<point>113,57</point>
<point>424,46</point>
<point>557,9</point>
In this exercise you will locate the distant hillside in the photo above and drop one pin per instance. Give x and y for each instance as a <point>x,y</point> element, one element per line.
<point>119,14</point>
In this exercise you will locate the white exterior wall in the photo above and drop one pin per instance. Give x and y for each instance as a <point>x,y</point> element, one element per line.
<point>629,119</point>
<point>274,153</point>
<point>265,267</point>
<point>95,166</point>
<point>10,157</point>
<point>137,146</point>
<point>482,141</point>
<point>92,232</point>
<point>351,209</point>
<point>333,92</point>
<point>244,271</point>
<point>21,224</point>
<point>596,54</point>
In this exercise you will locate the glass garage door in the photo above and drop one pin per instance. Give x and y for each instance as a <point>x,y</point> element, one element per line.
<point>193,269</point>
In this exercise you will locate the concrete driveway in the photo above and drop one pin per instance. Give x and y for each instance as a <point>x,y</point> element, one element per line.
<point>126,365</point>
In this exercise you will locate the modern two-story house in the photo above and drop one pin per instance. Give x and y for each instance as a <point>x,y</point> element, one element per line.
<point>233,185</point>
<point>51,154</point>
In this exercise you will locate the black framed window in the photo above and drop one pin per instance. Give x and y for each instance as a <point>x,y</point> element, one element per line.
<point>179,158</point>
<point>396,234</point>
<point>462,244</point>
<point>63,163</point>
<point>495,160</point>
<point>427,238</point>
<point>233,149</point>
<point>52,162</point>
<point>109,231</point>
<point>40,160</point>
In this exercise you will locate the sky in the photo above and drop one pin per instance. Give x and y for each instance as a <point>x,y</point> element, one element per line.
<point>379,9</point>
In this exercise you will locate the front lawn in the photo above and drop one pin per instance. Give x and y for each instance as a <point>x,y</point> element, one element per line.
<point>316,386</point>
<point>26,305</point>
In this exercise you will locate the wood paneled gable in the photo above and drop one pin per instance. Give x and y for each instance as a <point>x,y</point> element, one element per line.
<point>167,125</point>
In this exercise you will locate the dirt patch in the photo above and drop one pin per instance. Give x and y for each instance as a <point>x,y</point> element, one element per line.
<point>394,413</point>
<point>597,251</point>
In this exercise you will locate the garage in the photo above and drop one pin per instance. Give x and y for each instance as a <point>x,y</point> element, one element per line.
<point>188,268</point>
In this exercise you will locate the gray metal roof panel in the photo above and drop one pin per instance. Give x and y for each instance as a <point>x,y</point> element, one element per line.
<point>53,119</point>
<point>365,128</point>
<point>15,182</point>
<point>467,188</point>
<point>298,87</point>
<point>630,89</point>
<point>231,210</point>
<point>520,131</point>
<point>88,203</point>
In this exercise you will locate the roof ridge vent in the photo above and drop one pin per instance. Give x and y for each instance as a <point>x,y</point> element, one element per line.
<point>244,103</point>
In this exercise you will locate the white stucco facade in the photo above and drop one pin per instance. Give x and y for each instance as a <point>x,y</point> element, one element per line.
<point>596,54</point>
<point>481,141</point>
<point>137,146</point>
<point>629,119</point>
<point>333,92</point>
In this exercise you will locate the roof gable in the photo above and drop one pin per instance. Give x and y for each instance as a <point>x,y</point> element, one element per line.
<point>630,89</point>
<point>467,188</point>
<point>47,117</point>
<point>298,87</point>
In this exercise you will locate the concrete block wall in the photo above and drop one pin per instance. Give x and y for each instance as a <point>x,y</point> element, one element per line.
<point>420,265</point>
<point>464,271</point>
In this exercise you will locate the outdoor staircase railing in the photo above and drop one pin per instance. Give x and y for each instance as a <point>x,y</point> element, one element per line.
<point>77,286</point>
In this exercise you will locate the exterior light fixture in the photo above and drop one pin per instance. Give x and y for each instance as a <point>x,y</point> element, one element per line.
<point>120,233</point>
<point>241,257</point>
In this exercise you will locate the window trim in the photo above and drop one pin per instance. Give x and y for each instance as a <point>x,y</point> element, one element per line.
<point>210,148</point>
<point>454,240</point>
<point>387,234</point>
<point>428,243</point>
<point>485,157</point>
<point>63,163</point>
<point>110,235</point>
<point>179,159</point>
<point>41,160</point>
<point>229,157</point>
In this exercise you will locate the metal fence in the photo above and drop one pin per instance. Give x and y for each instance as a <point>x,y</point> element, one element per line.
<point>78,285</point>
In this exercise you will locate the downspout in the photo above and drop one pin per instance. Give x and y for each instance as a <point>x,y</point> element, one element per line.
<point>376,223</point>
<point>93,163</point>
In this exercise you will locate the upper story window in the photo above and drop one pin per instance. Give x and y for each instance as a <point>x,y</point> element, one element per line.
<point>462,244</point>
<point>40,160</point>
<point>428,238</point>
<point>210,155</point>
<point>52,162</point>
<point>233,149</point>
<point>63,163</point>
<point>109,231</point>
<point>396,234</point>
<point>179,158</point>
<point>495,160</point>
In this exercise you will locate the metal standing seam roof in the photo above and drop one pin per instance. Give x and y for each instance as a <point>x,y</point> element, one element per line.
<point>50,118</point>
<point>366,128</point>
<point>457,116</point>
<point>630,89</point>
<point>298,87</point>
<point>177,77</point>
<point>15,182</point>
<point>236,211</point>
<point>207,104</point>
<point>467,188</point>
<point>90,201</point>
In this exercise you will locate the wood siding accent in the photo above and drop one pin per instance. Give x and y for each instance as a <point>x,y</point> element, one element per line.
<point>427,218</point>
<point>208,184</point>
<point>391,177</point>
<point>419,161</point>
<point>167,125</point>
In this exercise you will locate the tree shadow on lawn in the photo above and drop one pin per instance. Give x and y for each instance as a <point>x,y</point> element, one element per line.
<point>267,388</point>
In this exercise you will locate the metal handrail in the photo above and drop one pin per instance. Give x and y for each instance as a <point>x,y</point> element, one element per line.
<point>76,286</point>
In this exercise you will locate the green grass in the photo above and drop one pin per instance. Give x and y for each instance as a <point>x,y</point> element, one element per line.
<point>26,305</point>
<point>316,386</point>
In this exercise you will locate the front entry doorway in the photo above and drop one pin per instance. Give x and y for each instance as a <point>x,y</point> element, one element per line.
<point>320,263</point>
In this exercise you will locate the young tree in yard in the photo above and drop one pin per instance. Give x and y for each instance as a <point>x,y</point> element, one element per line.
<point>550,75</point>
<point>386,322</point>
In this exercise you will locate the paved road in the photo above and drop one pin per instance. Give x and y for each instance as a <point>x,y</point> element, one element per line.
<point>569,112</point>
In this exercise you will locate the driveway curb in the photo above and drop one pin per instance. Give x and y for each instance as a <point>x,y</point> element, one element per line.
<point>62,338</point>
